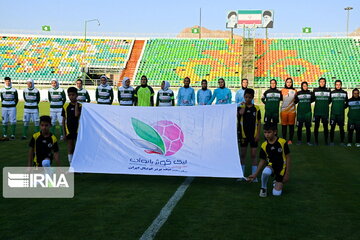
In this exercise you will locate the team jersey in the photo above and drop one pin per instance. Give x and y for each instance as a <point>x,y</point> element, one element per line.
<point>9,97</point>
<point>44,147</point>
<point>126,96</point>
<point>249,121</point>
<point>143,95</point>
<point>275,154</point>
<point>338,102</point>
<point>165,98</point>
<point>203,96</point>
<point>186,97</point>
<point>104,94</point>
<point>271,98</point>
<point>322,101</point>
<point>354,110</point>
<point>56,97</point>
<point>71,122</point>
<point>303,100</point>
<point>239,97</point>
<point>222,95</point>
<point>288,100</point>
<point>31,98</point>
<point>83,95</point>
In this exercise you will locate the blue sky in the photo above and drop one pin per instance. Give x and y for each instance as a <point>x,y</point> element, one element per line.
<point>160,16</point>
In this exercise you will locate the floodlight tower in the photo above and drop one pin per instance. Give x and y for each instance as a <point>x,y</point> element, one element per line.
<point>84,58</point>
<point>348,16</point>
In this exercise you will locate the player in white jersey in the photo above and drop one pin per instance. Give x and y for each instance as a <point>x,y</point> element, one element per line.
<point>31,107</point>
<point>9,100</point>
<point>165,96</point>
<point>57,99</point>
<point>104,93</point>
<point>83,95</point>
<point>126,93</point>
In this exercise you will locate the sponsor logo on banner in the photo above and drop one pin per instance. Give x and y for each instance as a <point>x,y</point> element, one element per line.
<point>162,137</point>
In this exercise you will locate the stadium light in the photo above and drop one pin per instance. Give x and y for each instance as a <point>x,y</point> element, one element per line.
<point>86,22</point>
<point>348,16</point>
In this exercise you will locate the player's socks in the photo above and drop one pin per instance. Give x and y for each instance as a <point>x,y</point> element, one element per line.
<point>13,128</point>
<point>70,156</point>
<point>308,134</point>
<point>342,134</point>
<point>326,133</point>
<point>291,132</point>
<point>265,177</point>
<point>332,133</point>
<point>253,170</point>
<point>284,131</point>
<point>276,192</point>
<point>25,130</point>
<point>4,128</point>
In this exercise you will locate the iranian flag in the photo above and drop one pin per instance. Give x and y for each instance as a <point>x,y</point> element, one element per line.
<point>249,17</point>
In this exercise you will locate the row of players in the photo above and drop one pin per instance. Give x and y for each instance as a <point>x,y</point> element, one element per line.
<point>272,159</point>
<point>143,95</point>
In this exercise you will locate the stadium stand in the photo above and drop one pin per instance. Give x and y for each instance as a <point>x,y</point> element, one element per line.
<point>175,59</point>
<point>307,60</point>
<point>43,58</point>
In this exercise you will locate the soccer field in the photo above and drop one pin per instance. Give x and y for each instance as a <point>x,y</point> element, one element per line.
<point>320,202</point>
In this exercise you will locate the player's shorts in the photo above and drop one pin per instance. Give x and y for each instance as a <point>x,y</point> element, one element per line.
<point>271,117</point>
<point>352,125</point>
<point>244,142</point>
<point>278,173</point>
<point>8,115</point>
<point>71,135</point>
<point>337,119</point>
<point>56,116</point>
<point>31,116</point>
<point>288,118</point>
<point>304,118</point>
<point>324,119</point>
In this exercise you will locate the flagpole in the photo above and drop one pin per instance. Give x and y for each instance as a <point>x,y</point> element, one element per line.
<point>200,25</point>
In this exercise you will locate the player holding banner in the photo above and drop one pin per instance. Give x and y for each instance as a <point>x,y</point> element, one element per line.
<point>57,99</point>
<point>31,107</point>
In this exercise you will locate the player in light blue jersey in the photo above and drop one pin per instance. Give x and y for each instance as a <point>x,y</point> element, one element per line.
<point>204,94</point>
<point>239,96</point>
<point>186,94</point>
<point>222,94</point>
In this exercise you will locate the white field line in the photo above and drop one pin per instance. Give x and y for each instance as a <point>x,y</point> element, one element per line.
<point>165,212</point>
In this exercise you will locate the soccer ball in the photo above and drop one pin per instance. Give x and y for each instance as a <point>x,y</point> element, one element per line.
<point>171,134</point>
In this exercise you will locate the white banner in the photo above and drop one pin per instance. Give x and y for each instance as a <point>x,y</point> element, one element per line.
<point>176,141</point>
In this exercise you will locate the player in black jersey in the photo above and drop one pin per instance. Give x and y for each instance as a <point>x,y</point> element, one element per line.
<point>71,115</point>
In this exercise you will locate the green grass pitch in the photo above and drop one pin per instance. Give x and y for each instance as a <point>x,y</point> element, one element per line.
<point>321,201</point>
